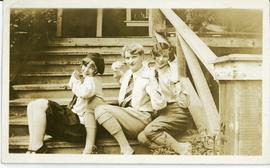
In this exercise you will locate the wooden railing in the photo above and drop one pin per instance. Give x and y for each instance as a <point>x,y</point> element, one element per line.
<point>190,48</point>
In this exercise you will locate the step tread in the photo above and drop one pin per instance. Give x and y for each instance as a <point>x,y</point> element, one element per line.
<point>61,101</point>
<point>59,62</point>
<point>28,74</point>
<point>76,53</point>
<point>21,142</point>
<point>57,86</point>
<point>146,41</point>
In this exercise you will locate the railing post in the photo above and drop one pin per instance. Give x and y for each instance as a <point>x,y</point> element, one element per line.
<point>240,103</point>
<point>181,61</point>
<point>99,22</point>
<point>157,21</point>
<point>59,22</point>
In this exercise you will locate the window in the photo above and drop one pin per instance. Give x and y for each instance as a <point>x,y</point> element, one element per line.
<point>137,17</point>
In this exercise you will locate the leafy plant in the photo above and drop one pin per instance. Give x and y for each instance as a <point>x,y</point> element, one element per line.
<point>203,144</point>
<point>30,30</point>
<point>163,150</point>
<point>31,27</point>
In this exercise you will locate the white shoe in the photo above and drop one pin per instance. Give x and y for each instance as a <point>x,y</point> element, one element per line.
<point>130,152</point>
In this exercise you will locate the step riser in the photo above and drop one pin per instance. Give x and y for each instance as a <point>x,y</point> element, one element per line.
<point>101,50</point>
<point>67,59</point>
<point>18,130</point>
<point>67,69</point>
<point>22,130</point>
<point>20,111</point>
<point>56,79</point>
<point>110,92</point>
<point>17,110</point>
<point>59,59</point>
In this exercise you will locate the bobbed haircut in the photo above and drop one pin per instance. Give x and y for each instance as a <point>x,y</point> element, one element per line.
<point>133,48</point>
<point>98,60</point>
<point>159,48</point>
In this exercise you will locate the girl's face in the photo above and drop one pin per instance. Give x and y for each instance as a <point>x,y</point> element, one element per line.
<point>162,59</point>
<point>89,69</point>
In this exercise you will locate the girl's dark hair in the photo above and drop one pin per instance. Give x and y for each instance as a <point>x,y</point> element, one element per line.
<point>98,59</point>
<point>158,48</point>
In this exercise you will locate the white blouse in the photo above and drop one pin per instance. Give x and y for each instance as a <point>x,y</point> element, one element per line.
<point>169,83</point>
<point>84,90</point>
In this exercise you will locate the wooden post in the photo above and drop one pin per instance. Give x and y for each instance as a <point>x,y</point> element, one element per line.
<point>210,109</point>
<point>128,14</point>
<point>240,103</point>
<point>181,61</point>
<point>99,22</point>
<point>196,107</point>
<point>59,23</point>
<point>157,21</point>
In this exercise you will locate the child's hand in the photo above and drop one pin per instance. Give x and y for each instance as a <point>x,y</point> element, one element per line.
<point>153,79</point>
<point>118,68</point>
<point>117,65</point>
<point>76,74</point>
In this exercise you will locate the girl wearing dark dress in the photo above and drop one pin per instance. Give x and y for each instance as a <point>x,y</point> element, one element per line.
<point>76,122</point>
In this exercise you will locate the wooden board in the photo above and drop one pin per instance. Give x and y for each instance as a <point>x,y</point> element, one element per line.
<point>241,117</point>
<point>196,107</point>
<point>96,42</point>
<point>210,109</point>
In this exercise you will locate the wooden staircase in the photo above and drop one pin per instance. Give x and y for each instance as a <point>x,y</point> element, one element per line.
<point>45,75</point>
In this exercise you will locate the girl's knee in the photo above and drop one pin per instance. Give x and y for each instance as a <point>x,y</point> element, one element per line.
<point>37,105</point>
<point>141,137</point>
<point>151,131</point>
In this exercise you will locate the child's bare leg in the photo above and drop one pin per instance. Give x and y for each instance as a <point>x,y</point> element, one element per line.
<point>36,114</point>
<point>90,125</point>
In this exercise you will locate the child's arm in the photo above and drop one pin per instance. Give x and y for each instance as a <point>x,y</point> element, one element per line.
<point>182,95</point>
<point>85,89</point>
<point>158,100</point>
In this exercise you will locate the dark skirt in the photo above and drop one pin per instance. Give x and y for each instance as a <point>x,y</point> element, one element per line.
<point>63,124</point>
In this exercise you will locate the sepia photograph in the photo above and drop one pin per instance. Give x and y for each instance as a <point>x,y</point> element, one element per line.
<point>110,82</point>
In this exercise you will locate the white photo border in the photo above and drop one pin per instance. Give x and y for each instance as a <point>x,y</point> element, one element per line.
<point>136,159</point>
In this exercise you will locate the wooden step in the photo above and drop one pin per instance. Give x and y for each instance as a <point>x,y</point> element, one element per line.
<point>50,67</point>
<point>97,42</point>
<point>19,144</point>
<point>56,90</point>
<point>106,52</point>
<point>18,126</point>
<point>67,60</point>
<point>18,117</point>
<point>17,107</point>
<point>55,78</point>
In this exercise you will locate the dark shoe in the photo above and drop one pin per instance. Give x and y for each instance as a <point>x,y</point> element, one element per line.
<point>42,149</point>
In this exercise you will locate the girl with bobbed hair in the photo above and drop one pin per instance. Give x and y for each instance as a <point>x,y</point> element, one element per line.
<point>175,118</point>
<point>76,122</point>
